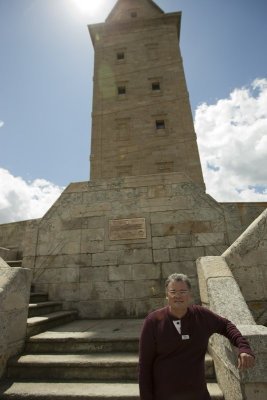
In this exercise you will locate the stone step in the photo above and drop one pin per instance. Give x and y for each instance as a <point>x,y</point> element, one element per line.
<point>84,336</point>
<point>39,324</point>
<point>95,366</point>
<point>44,307</point>
<point>38,297</point>
<point>108,367</point>
<point>14,263</point>
<point>43,390</point>
<point>34,344</point>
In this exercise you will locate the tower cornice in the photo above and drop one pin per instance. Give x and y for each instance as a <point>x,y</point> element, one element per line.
<point>100,29</point>
<point>151,2</point>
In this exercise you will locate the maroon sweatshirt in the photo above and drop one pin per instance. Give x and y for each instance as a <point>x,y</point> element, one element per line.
<point>172,365</point>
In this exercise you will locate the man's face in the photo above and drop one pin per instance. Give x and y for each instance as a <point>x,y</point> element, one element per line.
<point>178,296</point>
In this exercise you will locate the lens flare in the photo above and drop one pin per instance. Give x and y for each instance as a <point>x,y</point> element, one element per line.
<point>89,7</point>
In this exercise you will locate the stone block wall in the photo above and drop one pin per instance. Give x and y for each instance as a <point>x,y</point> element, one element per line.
<point>239,216</point>
<point>12,237</point>
<point>75,260</point>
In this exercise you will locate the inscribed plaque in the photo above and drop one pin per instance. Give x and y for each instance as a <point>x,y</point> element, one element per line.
<point>121,229</point>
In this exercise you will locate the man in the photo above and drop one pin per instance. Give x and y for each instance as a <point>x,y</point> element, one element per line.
<point>174,342</point>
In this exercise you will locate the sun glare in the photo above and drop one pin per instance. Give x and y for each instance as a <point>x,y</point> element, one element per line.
<point>89,7</point>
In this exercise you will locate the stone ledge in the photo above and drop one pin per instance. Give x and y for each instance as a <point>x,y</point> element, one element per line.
<point>210,267</point>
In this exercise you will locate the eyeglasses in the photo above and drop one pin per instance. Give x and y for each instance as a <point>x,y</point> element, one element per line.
<point>178,292</point>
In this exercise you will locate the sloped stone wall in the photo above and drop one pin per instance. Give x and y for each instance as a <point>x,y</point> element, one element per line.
<point>75,260</point>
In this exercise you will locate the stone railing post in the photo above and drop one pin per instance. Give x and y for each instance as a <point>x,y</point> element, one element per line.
<point>221,294</point>
<point>15,286</point>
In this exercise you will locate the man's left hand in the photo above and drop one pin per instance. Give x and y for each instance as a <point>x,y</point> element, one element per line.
<point>245,361</point>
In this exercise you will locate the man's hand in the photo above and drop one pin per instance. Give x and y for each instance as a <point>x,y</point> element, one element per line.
<point>245,361</point>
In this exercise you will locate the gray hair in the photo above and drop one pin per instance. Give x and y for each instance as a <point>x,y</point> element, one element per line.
<point>178,278</point>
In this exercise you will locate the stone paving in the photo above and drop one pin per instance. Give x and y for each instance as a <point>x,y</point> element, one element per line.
<point>91,329</point>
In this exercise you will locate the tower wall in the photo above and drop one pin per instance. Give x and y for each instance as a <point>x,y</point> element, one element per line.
<point>141,120</point>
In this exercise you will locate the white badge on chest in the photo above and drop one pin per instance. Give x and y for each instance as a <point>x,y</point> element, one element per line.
<point>185,337</point>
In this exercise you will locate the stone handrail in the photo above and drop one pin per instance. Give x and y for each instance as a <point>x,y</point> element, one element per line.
<point>220,293</point>
<point>247,259</point>
<point>4,252</point>
<point>250,241</point>
<point>15,286</point>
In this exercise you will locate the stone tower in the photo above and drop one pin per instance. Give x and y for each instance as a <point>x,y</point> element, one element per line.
<point>141,120</point>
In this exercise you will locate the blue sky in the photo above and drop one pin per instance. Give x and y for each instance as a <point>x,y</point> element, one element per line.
<point>46,88</point>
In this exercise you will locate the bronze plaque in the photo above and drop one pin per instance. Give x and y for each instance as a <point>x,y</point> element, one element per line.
<point>121,229</point>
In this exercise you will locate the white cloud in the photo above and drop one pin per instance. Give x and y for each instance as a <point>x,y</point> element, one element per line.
<point>1,123</point>
<point>232,139</point>
<point>20,200</point>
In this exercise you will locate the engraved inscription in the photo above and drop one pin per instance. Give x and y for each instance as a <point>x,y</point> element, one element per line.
<point>134,228</point>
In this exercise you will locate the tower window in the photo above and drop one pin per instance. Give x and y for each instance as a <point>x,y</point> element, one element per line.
<point>121,90</point>
<point>160,124</point>
<point>155,86</point>
<point>120,55</point>
<point>133,14</point>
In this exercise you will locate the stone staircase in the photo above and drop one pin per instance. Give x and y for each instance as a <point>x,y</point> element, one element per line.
<point>82,359</point>
<point>44,314</point>
<point>13,257</point>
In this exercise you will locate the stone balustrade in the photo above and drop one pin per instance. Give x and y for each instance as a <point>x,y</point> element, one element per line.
<point>15,286</point>
<point>247,259</point>
<point>220,292</point>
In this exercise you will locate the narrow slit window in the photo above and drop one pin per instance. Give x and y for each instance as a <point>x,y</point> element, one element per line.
<point>120,55</point>
<point>155,86</point>
<point>160,124</point>
<point>121,90</point>
<point>133,14</point>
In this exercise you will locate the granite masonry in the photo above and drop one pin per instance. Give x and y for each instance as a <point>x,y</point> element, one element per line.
<point>82,251</point>
<point>106,246</point>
